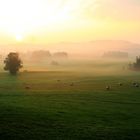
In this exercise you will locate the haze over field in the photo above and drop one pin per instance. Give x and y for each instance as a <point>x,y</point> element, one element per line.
<point>91,49</point>
<point>83,29</point>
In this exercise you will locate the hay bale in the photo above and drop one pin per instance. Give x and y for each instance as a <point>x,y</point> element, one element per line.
<point>72,84</point>
<point>134,83</point>
<point>120,84</point>
<point>137,85</point>
<point>27,87</point>
<point>108,87</point>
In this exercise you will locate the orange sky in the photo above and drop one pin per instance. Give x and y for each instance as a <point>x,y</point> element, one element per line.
<point>45,21</point>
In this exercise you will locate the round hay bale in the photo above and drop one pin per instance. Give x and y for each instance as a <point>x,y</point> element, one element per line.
<point>27,87</point>
<point>120,84</point>
<point>72,84</point>
<point>137,85</point>
<point>108,87</point>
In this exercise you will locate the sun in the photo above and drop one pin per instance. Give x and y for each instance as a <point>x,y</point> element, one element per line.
<point>21,18</point>
<point>19,38</point>
<point>26,16</point>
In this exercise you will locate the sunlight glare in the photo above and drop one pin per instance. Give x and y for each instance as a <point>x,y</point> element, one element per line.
<point>19,38</point>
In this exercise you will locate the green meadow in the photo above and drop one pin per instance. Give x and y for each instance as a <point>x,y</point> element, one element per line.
<point>64,105</point>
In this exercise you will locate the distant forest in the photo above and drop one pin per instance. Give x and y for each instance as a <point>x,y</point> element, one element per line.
<point>115,54</point>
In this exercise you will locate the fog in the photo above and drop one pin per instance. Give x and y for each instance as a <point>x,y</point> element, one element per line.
<point>104,57</point>
<point>62,61</point>
<point>88,49</point>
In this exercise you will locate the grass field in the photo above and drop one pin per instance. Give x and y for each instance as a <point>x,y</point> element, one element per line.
<point>69,105</point>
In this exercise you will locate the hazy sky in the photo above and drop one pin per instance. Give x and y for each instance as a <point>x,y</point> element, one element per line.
<point>44,21</point>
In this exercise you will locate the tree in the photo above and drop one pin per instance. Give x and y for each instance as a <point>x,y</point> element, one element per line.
<point>13,63</point>
<point>135,65</point>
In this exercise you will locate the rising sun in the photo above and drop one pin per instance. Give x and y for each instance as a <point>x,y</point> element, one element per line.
<point>19,38</point>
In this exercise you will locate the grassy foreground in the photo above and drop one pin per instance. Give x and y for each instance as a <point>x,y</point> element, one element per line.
<point>71,106</point>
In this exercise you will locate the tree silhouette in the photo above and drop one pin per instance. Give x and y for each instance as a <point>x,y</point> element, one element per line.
<point>13,63</point>
<point>135,65</point>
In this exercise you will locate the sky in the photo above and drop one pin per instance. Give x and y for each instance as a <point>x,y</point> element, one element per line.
<point>49,21</point>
